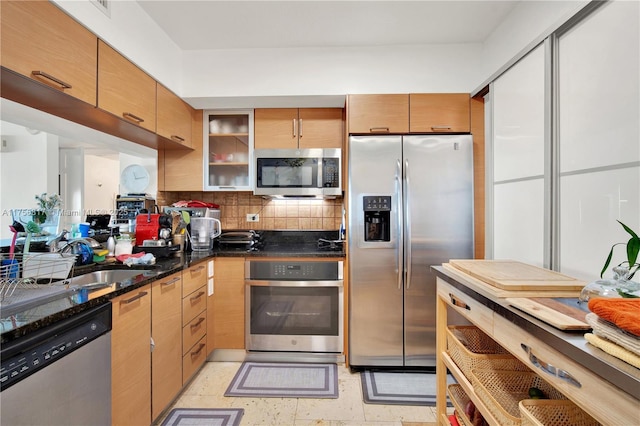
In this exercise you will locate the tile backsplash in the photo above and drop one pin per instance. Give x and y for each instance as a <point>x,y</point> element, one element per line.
<point>274,214</point>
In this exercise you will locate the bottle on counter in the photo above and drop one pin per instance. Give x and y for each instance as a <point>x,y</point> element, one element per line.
<point>111,244</point>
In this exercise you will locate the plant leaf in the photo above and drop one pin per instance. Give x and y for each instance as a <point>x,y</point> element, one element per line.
<point>626,228</point>
<point>633,247</point>
<point>606,264</point>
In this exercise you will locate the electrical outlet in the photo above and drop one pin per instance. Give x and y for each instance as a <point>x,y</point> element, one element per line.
<point>253,217</point>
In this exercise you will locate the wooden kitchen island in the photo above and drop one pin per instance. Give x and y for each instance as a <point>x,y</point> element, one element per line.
<point>603,386</point>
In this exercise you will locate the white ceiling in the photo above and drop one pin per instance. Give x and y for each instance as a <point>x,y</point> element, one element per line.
<point>213,24</point>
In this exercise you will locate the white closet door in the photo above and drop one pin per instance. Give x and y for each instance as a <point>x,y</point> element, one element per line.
<point>599,137</point>
<point>518,161</point>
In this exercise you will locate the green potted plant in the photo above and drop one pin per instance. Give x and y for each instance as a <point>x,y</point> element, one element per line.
<point>633,248</point>
<point>46,204</point>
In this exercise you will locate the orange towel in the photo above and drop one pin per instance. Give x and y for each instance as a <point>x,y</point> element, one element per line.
<point>624,313</point>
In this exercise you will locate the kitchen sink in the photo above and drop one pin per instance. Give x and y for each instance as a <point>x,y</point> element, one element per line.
<point>102,278</point>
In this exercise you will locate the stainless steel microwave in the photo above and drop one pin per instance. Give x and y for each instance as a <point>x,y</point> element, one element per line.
<point>299,172</point>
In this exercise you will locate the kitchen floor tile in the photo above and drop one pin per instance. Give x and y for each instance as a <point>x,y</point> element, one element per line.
<point>207,390</point>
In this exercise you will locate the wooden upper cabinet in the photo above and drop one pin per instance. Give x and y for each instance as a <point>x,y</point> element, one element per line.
<point>275,128</point>
<point>174,117</point>
<point>321,128</point>
<point>42,42</point>
<point>295,128</point>
<point>124,89</point>
<point>439,113</point>
<point>378,113</point>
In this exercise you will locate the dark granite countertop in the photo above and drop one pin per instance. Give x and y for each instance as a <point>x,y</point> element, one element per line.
<point>16,322</point>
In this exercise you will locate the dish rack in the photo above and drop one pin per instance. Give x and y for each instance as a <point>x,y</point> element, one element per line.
<point>32,271</point>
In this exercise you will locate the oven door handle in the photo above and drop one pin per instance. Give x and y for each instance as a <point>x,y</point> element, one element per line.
<point>320,283</point>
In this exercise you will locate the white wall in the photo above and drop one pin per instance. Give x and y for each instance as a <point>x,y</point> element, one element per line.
<point>29,167</point>
<point>207,77</point>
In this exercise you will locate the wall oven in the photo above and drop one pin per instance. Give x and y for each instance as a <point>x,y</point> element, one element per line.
<point>294,306</point>
<point>298,172</point>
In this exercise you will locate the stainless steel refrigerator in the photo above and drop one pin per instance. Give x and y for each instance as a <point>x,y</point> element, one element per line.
<point>410,207</point>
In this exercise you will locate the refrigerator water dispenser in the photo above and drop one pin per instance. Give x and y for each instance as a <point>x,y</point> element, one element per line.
<point>377,215</point>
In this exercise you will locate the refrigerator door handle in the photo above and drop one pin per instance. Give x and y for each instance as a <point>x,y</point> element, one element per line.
<point>407,225</point>
<point>399,267</point>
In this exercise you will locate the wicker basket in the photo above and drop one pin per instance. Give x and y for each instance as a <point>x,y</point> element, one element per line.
<point>501,392</point>
<point>557,412</point>
<point>459,399</point>
<point>470,348</point>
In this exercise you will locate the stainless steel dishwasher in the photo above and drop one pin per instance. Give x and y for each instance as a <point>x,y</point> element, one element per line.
<point>61,374</point>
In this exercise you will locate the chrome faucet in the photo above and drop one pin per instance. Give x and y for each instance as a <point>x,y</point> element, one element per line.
<point>53,244</point>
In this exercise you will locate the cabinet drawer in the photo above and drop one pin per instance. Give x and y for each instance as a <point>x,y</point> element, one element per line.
<point>194,331</point>
<point>194,304</point>
<point>193,359</point>
<point>194,278</point>
<point>465,305</point>
<point>512,338</point>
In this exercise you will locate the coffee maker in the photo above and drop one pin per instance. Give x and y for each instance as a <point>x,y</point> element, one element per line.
<point>377,215</point>
<point>153,227</point>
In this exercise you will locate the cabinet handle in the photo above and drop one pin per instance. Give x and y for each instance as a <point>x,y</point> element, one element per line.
<point>548,368</point>
<point>379,130</point>
<point>197,296</point>
<point>134,298</point>
<point>294,128</point>
<point>153,344</point>
<point>177,138</point>
<point>197,324</point>
<point>132,117</point>
<point>199,268</point>
<point>457,302</point>
<point>300,128</point>
<point>172,281</point>
<point>62,84</point>
<point>440,127</point>
<point>197,351</point>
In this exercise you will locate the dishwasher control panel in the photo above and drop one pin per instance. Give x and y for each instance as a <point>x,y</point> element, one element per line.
<point>24,356</point>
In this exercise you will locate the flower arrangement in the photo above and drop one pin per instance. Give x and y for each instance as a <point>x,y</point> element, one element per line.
<point>48,202</point>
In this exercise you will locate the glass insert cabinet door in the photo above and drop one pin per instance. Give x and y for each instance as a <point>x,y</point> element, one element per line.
<point>228,150</point>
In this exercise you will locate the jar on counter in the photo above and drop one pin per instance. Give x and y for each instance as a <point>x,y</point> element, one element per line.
<point>124,245</point>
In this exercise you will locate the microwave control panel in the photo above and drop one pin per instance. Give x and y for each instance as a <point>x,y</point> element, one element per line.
<point>331,172</point>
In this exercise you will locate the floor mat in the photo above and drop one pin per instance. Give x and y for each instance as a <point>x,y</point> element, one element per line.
<point>285,380</point>
<point>204,417</point>
<point>400,388</point>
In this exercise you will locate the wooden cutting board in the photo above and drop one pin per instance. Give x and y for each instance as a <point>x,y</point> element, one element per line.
<point>551,311</point>
<point>512,275</point>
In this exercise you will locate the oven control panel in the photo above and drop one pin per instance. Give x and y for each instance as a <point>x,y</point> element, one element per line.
<point>294,271</point>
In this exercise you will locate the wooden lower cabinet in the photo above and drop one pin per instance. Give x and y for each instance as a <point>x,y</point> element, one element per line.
<point>166,331</point>
<point>227,303</point>
<point>131,358</point>
<point>194,319</point>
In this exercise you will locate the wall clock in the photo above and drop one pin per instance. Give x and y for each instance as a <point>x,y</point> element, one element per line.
<point>135,178</point>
